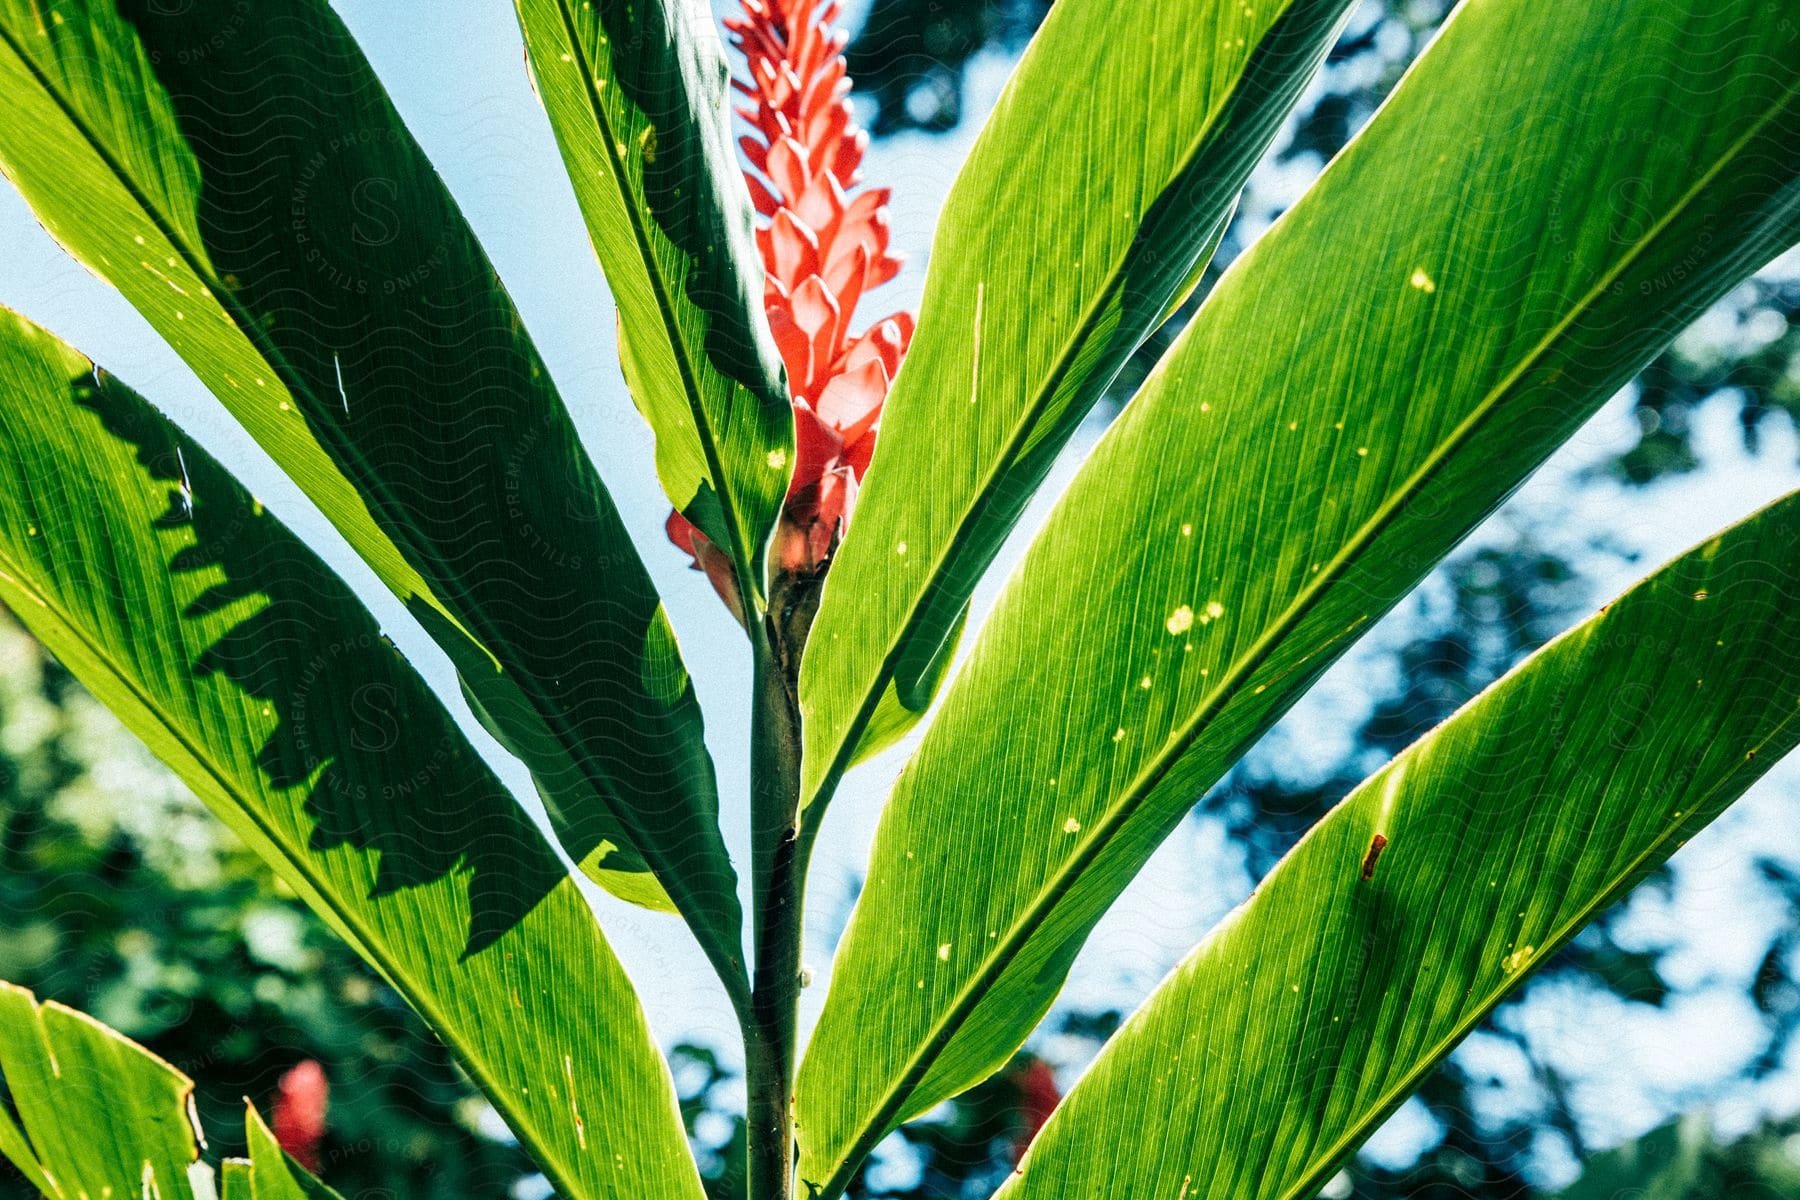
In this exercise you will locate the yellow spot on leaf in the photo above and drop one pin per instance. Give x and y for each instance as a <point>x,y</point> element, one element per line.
<point>574,1110</point>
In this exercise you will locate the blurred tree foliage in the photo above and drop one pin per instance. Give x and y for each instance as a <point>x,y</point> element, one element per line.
<point>909,56</point>
<point>122,896</point>
<point>1685,1161</point>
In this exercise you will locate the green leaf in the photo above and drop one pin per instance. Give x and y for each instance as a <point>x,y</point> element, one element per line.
<point>1312,1011</point>
<point>1686,1160</point>
<point>636,92</point>
<point>102,1116</point>
<point>232,651</point>
<point>98,1115</point>
<point>239,174</point>
<point>1667,1163</point>
<point>1090,203</point>
<point>272,1174</point>
<point>1463,287</point>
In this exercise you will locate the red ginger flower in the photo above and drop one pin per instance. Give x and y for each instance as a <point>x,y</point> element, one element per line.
<point>1038,1098</point>
<point>822,248</point>
<point>298,1119</point>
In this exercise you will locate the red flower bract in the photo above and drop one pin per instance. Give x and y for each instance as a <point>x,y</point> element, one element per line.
<point>823,245</point>
<point>1038,1098</point>
<point>298,1120</point>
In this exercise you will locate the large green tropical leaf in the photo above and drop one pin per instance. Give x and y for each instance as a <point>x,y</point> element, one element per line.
<point>1312,1011</point>
<point>245,664</point>
<point>1469,280</point>
<point>100,1115</point>
<point>239,174</point>
<point>1092,200</point>
<point>636,93</point>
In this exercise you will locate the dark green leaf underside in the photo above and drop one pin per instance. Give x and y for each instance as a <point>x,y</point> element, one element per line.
<point>231,650</point>
<point>240,175</point>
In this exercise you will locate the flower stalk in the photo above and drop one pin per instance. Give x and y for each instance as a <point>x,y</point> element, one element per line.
<point>824,244</point>
<point>771,1042</point>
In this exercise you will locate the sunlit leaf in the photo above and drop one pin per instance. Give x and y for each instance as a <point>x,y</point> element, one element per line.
<point>99,1115</point>
<point>1089,205</point>
<point>1310,1013</point>
<point>272,1175</point>
<point>1466,283</point>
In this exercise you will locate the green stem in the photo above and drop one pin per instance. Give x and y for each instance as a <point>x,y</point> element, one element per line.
<point>778,872</point>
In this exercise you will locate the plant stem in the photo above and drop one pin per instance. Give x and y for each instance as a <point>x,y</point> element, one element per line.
<point>778,873</point>
<point>773,1042</point>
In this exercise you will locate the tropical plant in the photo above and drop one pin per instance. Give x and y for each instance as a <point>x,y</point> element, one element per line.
<point>1546,199</point>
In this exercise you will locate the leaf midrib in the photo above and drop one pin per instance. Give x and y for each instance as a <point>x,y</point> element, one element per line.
<point>434,1016</point>
<point>722,485</point>
<point>1026,425</point>
<point>1154,771</point>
